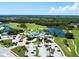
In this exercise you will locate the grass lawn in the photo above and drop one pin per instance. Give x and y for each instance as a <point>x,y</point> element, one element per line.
<point>31,27</point>
<point>37,51</point>
<point>14,25</point>
<point>59,40</point>
<point>7,43</point>
<point>76,35</point>
<point>20,50</point>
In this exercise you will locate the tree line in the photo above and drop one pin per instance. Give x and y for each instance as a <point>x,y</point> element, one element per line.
<point>50,21</point>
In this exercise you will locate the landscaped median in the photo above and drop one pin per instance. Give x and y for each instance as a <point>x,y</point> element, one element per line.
<point>37,51</point>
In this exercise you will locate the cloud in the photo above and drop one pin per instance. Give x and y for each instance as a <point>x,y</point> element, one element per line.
<point>74,9</point>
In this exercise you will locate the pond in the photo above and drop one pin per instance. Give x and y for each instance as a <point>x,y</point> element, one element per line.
<point>56,31</point>
<point>6,27</point>
<point>3,23</point>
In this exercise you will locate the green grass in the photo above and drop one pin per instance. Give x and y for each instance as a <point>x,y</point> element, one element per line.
<point>20,50</point>
<point>59,41</point>
<point>37,51</point>
<point>7,43</point>
<point>14,25</point>
<point>76,35</point>
<point>31,27</point>
<point>76,40</point>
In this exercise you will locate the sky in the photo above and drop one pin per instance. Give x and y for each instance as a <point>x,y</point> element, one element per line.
<point>39,8</point>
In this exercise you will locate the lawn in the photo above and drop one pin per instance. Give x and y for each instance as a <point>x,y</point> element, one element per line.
<point>7,43</point>
<point>20,51</point>
<point>31,27</point>
<point>37,51</point>
<point>76,35</point>
<point>14,25</point>
<point>59,40</point>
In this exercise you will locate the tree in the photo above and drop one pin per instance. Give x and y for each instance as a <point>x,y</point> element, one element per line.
<point>69,35</point>
<point>66,43</point>
<point>55,34</point>
<point>23,25</point>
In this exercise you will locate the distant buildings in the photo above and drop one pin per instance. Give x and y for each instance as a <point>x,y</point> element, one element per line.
<point>73,25</point>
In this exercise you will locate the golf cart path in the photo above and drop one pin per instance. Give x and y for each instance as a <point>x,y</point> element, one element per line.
<point>75,47</point>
